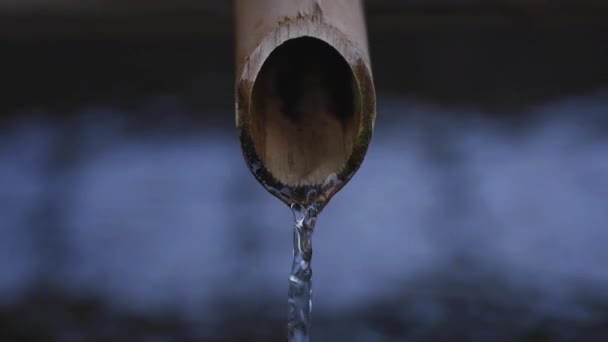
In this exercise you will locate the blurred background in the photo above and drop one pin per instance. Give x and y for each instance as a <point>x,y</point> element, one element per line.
<point>480,213</point>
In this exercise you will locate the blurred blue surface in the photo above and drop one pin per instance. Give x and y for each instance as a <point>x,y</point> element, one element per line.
<point>458,224</point>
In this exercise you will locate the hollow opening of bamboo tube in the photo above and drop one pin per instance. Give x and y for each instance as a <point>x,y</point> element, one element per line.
<point>304,112</point>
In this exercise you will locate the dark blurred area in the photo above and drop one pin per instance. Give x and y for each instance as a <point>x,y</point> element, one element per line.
<point>128,214</point>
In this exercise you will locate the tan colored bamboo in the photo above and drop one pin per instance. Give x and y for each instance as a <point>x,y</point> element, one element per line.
<point>305,104</point>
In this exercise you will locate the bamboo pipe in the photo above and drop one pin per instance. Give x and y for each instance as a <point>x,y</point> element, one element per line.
<point>305,99</point>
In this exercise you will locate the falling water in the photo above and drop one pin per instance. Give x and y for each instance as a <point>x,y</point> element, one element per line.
<point>300,280</point>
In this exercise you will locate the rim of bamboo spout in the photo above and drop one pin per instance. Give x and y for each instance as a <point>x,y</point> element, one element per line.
<point>365,103</point>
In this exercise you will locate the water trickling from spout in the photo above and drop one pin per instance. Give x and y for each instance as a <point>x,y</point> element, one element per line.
<point>300,280</point>
<point>306,203</point>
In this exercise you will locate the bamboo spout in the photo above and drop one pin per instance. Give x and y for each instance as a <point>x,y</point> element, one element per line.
<point>305,104</point>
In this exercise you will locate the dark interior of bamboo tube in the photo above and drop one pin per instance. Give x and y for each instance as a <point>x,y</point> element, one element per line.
<point>304,116</point>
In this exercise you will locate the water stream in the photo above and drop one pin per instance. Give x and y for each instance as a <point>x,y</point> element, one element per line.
<point>300,280</point>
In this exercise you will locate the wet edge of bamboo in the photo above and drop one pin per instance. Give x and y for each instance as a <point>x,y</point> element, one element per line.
<point>262,26</point>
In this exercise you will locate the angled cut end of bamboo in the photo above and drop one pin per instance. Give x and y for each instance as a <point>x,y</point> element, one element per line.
<point>305,105</point>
